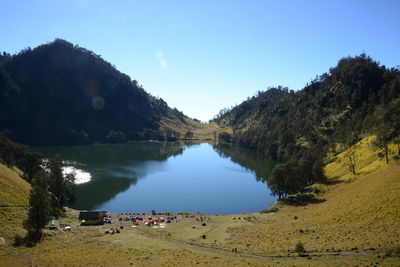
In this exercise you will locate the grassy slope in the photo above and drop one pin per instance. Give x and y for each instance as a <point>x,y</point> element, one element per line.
<point>14,195</point>
<point>200,130</point>
<point>356,217</point>
<point>362,214</point>
<point>14,191</point>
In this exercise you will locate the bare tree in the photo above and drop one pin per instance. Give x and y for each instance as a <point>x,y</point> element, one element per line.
<point>382,141</point>
<point>351,159</point>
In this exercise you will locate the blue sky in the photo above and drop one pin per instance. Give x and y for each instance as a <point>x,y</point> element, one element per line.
<point>202,56</point>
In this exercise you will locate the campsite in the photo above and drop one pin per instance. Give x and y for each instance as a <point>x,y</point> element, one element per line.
<point>240,239</point>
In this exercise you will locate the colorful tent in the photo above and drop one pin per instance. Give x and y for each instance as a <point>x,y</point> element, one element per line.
<point>53,223</point>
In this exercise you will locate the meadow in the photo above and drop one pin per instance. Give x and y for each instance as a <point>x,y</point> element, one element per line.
<point>355,223</point>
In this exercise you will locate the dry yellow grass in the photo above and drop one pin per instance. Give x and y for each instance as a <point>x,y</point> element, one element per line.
<point>359,215</point>
<point>200,130</point>
<point>14,196</point>
<point>366,161</point>
<point>88,246</point>
<point>14,191</point>
<point>358,220</point>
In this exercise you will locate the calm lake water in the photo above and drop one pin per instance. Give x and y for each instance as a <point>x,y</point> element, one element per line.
<point>168,177</point>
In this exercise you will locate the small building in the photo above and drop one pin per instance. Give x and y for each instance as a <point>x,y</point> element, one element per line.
<point>92,217</point>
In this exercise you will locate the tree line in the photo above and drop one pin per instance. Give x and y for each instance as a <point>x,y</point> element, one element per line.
<point>51,189</point>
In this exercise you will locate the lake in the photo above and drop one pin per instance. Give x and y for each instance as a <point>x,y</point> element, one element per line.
<point>167,177</point>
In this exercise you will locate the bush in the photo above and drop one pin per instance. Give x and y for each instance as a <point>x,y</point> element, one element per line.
<point>19,240</point>
<point>393,252</point>
<point>300,248</point>
<point>33,237</point>
<point>315,188</point>
<point>270,209</point>
<point>225,137</point>
<point>300,199</point>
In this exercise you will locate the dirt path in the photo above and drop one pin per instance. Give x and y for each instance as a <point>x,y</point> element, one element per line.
<point>228,252</point>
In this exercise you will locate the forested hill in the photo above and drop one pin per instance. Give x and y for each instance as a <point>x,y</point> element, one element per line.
<point>59,93</point>
<point>350,99</point>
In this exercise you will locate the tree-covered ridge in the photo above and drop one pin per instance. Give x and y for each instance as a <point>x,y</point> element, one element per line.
<point>356,97</point>
<point>349,99</point>
<point>59,93</point>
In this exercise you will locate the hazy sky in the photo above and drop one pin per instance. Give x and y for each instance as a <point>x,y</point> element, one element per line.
<point>202,56</point>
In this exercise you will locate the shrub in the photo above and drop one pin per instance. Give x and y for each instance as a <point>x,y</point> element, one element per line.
<point>270,209</point>
<point>393,252</point>
<point>18,240</point>
<point>300,248</point>
<point>225,137</point>
<point>315,188</point>
<point>300,199</point>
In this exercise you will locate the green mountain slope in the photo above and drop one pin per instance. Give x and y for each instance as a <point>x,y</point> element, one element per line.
<point>59,93</point>
<point>350,98</point>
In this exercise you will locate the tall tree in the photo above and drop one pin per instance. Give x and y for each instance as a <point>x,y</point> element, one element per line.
<point>351,153</point>
<point>189,135</point>
<point>351,159</point>
<point>392,118</point>
<point>7,148</point>
<point>39,210</point>
<point>382,141</point>
<point>57,186</point>
<point>31,164</point>
<point>277,182</point>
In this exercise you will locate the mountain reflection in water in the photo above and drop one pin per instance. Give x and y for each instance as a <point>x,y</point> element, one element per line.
<point>169,177</point>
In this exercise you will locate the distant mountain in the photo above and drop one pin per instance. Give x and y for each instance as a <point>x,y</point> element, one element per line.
<point>348,100</point>
<point>59,93</point>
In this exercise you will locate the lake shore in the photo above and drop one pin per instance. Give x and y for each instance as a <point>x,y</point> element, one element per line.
<point>345,229</point>
<point>146,176</point>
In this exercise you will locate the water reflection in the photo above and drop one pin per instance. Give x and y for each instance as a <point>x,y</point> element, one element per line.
<point>252,161</point>
<point>114,168</point>
<point>169,177</point>
<point>98,191</point>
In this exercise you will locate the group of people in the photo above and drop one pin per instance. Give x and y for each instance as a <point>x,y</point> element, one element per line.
<point>149,221</point>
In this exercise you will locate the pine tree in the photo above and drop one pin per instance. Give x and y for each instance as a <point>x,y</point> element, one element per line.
<point>39,210</point>
<point>57,186</point>
<point>30,164</point>
<point>62,187</point>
